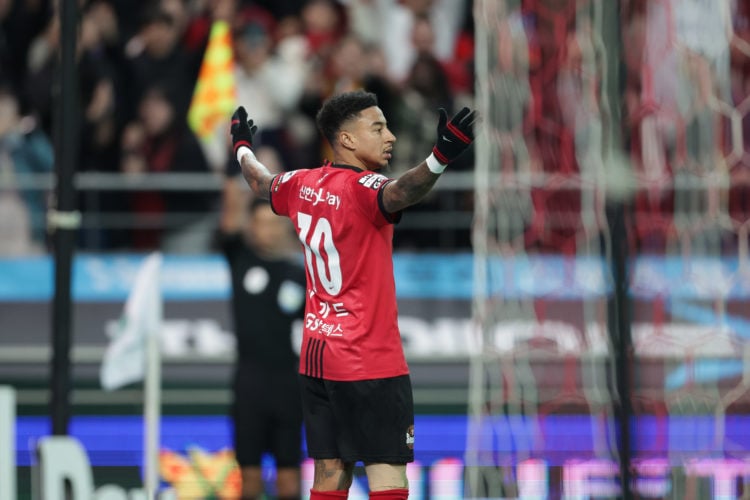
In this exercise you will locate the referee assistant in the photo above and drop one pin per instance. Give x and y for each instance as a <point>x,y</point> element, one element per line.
<point>267,297</point>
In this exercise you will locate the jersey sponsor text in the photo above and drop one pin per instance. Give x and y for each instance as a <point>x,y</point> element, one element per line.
<point>316,196</point>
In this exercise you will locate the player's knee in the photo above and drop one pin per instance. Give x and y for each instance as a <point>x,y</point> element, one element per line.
<point>385,477</point>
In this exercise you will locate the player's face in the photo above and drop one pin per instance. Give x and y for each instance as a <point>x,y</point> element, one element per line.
<point>268,233</point>
<point>372,139</point>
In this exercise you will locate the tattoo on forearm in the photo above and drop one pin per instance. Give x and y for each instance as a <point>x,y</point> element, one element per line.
<point>257,176</point>
<point>413,185</point>
<point>417,185</point>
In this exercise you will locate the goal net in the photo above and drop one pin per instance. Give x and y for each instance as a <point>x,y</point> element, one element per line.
<point>611,222</point>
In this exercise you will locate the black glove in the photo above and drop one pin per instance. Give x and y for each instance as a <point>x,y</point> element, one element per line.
<point>242,130</point>
<point>455,136</point>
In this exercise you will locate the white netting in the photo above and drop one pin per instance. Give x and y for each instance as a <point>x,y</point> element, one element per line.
<point>538,239</point>
<point>551,88</point>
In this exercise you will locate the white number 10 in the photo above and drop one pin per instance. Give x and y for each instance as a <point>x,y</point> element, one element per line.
<point>328,266</point>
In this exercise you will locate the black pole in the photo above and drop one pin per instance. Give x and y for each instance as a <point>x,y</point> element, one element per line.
<point>619,327</point>
<point>619,306</point>
<point>63,220</point>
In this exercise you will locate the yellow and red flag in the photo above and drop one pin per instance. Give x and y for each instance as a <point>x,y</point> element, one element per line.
<point>215,94</point>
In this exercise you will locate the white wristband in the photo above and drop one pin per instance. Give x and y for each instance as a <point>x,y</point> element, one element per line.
<point>434,165</point>
<point>242,151</point>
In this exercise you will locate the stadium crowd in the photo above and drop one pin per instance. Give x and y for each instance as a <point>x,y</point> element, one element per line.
<point>677,118</point>
<point>138,63</point>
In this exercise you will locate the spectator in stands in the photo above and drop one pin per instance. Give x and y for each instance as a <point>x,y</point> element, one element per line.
<point>323,26</point>
<point>24,149</point>
<point>40,69</point>
<point>377,80</point>
<point>324,23</point>
<point>511,103</point>
<point>579,94</point>
<point>161,142</point>
<point>272,80</point>
<point>95,84</point>
<point>156,57</point>
<point>346,66</point>
<point>425,91</point>
<point>398,20</point>
<point>20,22</point>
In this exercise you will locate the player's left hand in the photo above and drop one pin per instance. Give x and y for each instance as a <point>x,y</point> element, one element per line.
<point>454,136</point>
<point>242,130</point>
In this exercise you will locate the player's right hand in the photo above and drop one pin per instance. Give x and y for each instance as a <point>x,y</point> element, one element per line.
<point>454,136</point>
<point>242,130</point>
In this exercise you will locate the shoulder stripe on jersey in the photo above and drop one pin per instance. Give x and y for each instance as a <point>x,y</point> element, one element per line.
<point>392,218</point>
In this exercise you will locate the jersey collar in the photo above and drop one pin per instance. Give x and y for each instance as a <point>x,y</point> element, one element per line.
<point>344,165</point>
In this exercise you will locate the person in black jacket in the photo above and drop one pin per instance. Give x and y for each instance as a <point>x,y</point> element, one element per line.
<point>268,296</point>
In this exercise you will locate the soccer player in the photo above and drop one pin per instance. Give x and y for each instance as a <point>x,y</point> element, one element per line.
<point>356,391</point>
<point>268,296</point>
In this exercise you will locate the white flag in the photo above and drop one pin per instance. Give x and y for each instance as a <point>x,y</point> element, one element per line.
<point>125,358</point>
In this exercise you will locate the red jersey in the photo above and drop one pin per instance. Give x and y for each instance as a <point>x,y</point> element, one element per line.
<point>351,320</point>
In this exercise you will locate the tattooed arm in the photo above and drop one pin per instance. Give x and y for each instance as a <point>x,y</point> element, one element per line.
<point>410,188</point>
<point>256,174</point>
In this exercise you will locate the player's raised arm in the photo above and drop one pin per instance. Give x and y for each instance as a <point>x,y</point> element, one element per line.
<point>255,173</point>
<point>453,138</point>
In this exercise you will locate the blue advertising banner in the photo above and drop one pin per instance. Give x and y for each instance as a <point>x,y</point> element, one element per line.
<point>109,277</point>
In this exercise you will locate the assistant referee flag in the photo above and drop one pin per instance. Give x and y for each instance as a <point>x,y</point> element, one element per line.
<point>214,95</point>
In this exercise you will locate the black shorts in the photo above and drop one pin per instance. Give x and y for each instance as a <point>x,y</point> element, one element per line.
<point>371,421</point>
<point>267,416</point>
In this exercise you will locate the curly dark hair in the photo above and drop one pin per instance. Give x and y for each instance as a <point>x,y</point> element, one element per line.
<point>340,108</point>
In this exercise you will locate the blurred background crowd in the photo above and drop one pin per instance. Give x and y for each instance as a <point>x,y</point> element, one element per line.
<point>647,102</point>
<point>138,62</point>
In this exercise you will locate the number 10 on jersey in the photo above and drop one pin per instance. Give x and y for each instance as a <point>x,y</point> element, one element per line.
<point>321,256</point>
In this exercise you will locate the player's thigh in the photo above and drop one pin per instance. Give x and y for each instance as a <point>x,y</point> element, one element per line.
<point>381,477</point>
<point>376,419</point>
